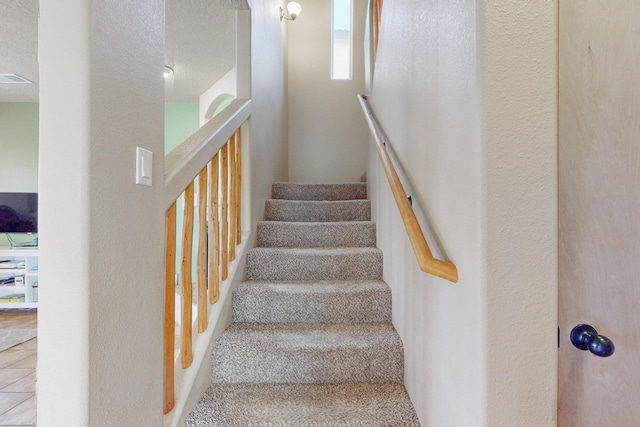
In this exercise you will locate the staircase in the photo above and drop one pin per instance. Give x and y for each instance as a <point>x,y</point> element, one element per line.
<point>311,343</point>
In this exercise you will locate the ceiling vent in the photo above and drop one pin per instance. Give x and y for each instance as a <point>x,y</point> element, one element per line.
<point>13,78</point>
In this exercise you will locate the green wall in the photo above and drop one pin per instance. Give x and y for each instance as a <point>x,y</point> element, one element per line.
<point>19,144</point>
<point>18,153</point>
<point>18,147</point>
<point>181,119</point>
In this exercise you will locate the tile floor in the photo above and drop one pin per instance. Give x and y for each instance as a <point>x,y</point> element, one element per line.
<point>18,372</point>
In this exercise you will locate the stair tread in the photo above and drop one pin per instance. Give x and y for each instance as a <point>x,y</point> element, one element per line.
<point>317,285</point>
<point>318,223</point>
<point>299,335</point>
<point>308,353</point>
<point>318,251</point>
<point>317,203</point>
<point>317,210</point>
<point>297,405</point>
<point>314,263</point>
<point>346,301</point>
<point>316,234</point>
<point>306,191</point>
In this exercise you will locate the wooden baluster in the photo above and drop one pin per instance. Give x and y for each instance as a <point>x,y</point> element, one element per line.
<point>214,229</point>
<point>202,251</point>
<point>169,307</point>
<point>186,294</point>
<point>224,232</point>
<point>232,198</point>
<point>239,186</point>
<point>377,16</point>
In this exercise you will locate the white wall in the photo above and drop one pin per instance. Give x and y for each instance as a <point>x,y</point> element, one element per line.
<point>269,110</point>
<point>227,85</point>
<point>327,136</point>
<point>466,95</point>
<point>521,223</point>
<point>100,316</point>
<point>101,236</point>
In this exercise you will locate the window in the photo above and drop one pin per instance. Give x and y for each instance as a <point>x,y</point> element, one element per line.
<point>341,40</point>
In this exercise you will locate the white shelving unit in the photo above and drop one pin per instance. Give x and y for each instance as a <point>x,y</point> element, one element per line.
<point>23,292</point>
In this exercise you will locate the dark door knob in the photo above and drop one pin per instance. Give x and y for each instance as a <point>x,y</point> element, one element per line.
<point>585,337</point>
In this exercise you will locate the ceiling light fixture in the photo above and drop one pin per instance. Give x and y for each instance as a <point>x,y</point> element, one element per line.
<point>294,10</point>
<point>168,71</point>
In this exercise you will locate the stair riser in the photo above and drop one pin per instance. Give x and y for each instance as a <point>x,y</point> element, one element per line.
<point>274,265</point>
<point>294,191</point>
<point>239,361</point>
<point>312,211</point>
<point>310,405</point>
<point>272,303</point>
<point>316,235</point>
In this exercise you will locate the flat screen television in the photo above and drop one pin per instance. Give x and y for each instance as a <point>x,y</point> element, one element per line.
<point>18,212</point>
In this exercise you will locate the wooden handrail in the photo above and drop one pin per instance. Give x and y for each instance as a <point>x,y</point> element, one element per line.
<point>186,161</point>
<point>219,231</point>
<point>427,262</point>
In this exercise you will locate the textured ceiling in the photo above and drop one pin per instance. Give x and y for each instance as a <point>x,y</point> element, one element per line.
<point>19,48</point>
<point>200,46</point>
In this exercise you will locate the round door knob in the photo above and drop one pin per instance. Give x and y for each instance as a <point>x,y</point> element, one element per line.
<point>585,337</point>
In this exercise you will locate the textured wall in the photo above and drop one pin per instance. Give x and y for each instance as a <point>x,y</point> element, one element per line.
<point>19,50</point>
<point>466,95</point>
<point>268,91</point>
<point>427,96</point>
<point>327,137</point>
<point>519,57</point>
<point>199,46</point>
<point>101,236</point>
<point>100,319</point>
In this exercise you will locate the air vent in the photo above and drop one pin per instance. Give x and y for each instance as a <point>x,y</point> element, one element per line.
<point>13,78</point>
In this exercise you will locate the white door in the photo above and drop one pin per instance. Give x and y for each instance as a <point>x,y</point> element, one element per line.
<point>599,210</point>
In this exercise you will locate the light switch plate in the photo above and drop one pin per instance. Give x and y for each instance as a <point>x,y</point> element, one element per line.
<point>144,167</point>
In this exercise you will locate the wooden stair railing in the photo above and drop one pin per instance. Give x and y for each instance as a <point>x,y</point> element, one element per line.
<point>218,204</point>
<point>427,262</point>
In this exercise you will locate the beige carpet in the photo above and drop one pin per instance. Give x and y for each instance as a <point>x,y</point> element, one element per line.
<point>12,337</point>
<point>311,343</point>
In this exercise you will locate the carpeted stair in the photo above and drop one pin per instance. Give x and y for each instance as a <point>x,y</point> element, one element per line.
<point>311,342</point>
